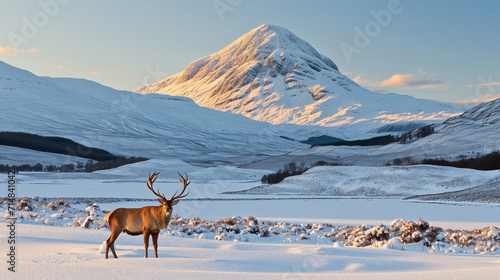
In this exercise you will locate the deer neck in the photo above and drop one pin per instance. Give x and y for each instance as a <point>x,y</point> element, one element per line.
<point>162,217</point>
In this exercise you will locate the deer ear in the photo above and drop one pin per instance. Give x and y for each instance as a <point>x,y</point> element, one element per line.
<point>175,202</point>
<point>161,200</point>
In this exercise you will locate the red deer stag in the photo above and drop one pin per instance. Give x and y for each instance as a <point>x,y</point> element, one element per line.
<point>148,220</point>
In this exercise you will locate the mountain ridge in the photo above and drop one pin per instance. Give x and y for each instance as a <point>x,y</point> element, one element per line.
<point>272,75</point>
<point>129,124</point>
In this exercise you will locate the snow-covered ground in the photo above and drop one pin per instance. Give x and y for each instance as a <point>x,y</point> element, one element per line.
<point>52,244</point>
<point>46,252</point>
<point>311,232</point>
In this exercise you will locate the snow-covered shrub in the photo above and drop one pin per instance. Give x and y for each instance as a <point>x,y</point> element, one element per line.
<point>92,209</point>
<point>61,202</point>
<point>24,204</point>
<point>431,234</point>
<point>377,233</point>
<point>441,237</point>
<point>494,234</point>
<point>50,206</point>
<point>264,233</point>
<point>253,225</point>
<point>410,231</point>
<point>303,236</point>
<point>87,222</point>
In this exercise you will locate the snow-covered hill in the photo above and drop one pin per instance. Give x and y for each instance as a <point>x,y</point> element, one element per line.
<point>471,133</point>
<point>378,181</point>
<point>270,74</point>
<point>131,124</point>
<point>487,193</point>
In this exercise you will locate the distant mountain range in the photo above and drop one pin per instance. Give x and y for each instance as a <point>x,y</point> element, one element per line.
<point>271,75</point>
<point>475,132</point>
<point>130,124</point>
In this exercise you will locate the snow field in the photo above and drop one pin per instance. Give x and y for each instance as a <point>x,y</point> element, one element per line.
<point>60,253</point>
<point>310,236</point>
<point>432,239</point>
<point>373,181</point>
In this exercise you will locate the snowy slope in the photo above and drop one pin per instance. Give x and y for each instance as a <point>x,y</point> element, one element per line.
<point>270,74</point>
<point>378,181</point>
<point>19,156</point>
<point>471,133</point>
<point>488,193</point>
<point>131,124</point>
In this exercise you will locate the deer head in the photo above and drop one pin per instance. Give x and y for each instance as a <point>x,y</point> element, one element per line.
<point>168,203</point>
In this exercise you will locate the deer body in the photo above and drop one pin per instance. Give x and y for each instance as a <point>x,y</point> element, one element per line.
<point>134,220</point>
<point>148,220</point>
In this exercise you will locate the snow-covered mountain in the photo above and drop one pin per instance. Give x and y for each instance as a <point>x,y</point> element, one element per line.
<point>271,75</point>
<point>471,133</point>
<point>131,124</point>
<point>475,131</point>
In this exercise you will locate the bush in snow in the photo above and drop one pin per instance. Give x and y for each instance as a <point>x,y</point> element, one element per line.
<point>264,233</point>
<point>253,225</point>
<point>87,222</point>
<point>92,209</point>
<point>24,204</point>
<point>410,231</point>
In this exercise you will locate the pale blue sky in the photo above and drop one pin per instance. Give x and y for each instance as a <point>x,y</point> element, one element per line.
<point>438,50</point>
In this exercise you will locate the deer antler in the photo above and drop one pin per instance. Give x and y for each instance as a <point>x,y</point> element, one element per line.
<point>151,180</point>
<point>185,182</point>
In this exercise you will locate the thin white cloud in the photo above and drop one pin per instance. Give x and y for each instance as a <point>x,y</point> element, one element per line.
<point>360,80</point>
<point>487,98</point>
<point>396,80</point>
<point>9,51</point>
<point>485,85</point>
<point>428,86</point>
<point>409,81</point>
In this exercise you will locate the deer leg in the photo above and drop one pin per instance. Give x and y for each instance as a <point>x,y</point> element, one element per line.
<point>146,243</point>
<point>111,243</point>
<point>154,237</point>
<point>107,247</point>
